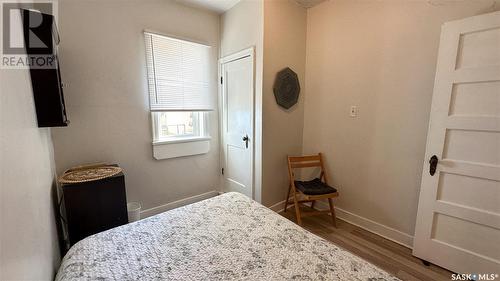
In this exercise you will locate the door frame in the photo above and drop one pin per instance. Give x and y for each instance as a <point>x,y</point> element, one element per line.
<point>248,52</point>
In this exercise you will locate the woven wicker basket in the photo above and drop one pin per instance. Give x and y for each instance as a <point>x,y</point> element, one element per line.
<point>88,173</point>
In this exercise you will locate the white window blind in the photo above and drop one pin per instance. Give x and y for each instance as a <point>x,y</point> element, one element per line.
<point>178,74</point>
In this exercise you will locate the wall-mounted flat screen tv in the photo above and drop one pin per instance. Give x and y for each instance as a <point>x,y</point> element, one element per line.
<point>41,39</point>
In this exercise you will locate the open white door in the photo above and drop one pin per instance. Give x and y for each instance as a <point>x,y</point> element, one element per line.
<point>458,220</point>
<point>237,73</point>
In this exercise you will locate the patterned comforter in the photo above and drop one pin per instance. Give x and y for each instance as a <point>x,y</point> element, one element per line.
<point>228,237</point>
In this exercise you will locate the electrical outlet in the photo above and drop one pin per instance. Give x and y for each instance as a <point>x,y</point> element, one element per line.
<point>354,111</point>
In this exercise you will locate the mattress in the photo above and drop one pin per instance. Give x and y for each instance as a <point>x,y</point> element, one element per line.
<point>228,237</point>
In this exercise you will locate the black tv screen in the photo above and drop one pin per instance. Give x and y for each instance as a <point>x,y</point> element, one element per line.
<point>41,39</point>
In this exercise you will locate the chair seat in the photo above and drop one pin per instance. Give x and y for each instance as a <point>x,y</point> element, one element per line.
<point>314,187</point>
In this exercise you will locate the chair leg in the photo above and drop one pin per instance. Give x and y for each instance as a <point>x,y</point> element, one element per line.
<point>332,211</point>
<point>287,198</point>
<point>312,204</point>
<point>297,209</point>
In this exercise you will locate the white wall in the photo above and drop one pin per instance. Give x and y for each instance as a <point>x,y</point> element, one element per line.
<point>381,56</point>
<point>103,61</point>
<point>284,46</point>
<point>28,237</point>
<point>242,27</point>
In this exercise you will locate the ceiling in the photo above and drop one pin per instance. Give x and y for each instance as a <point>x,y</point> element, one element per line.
<point>220,6</point>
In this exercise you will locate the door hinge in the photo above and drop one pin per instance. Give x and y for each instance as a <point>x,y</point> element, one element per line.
<point>222,170</point>
<point>221,79</point>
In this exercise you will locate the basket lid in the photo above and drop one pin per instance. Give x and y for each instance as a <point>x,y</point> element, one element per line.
<point>90,173</point>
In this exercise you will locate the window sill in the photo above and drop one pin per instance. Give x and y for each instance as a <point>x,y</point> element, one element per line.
<point>181,140</point>
<point>180,147</point>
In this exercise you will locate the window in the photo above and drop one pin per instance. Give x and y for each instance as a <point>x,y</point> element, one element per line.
<point>179,90</point>
<point>178,125</point>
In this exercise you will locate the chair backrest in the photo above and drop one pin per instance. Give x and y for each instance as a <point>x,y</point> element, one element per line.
<point>308,161</point>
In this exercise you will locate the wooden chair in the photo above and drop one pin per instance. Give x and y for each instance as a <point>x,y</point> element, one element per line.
<point>309,191</point>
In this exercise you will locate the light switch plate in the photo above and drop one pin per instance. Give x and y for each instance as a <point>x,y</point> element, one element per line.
<point>354,111</point>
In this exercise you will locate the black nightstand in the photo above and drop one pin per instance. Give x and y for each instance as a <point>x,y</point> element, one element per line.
<point>94,206</point>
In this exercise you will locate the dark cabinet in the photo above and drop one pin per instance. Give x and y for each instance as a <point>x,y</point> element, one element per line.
<point>94,206</point>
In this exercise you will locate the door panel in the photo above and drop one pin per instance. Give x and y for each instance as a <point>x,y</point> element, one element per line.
<point>455,189</point>
<point>472,146</point>
<point>479,48</point>
<point>458,220</point>
<point>466,235</point>
<point>476,99</point>
<point>237,103</point>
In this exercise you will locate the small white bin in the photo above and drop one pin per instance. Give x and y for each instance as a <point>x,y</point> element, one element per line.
<point>134,211</point>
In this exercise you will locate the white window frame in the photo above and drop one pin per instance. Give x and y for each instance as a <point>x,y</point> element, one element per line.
<point>202,127</point>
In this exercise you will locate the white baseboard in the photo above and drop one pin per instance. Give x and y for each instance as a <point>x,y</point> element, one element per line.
<point>362,222</point>
<point>179,203</point>
<point>278,207</point>
<point>375,227</point>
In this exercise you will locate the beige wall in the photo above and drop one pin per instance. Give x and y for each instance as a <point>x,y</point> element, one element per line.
<point>242,27</point>
<point>381,56</point>
<point>284,46</point>
<point>103,63</point>
<point>28,237</point>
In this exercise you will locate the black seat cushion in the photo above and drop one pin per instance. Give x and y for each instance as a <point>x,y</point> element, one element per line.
<point>314,187</point>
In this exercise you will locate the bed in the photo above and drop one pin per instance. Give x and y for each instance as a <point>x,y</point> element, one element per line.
<point>228,237</point>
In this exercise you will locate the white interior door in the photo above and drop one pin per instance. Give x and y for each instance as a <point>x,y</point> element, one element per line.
<point>458,221</point>
<point>237,122</point>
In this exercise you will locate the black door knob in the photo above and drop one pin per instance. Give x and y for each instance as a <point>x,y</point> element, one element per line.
<point>433,161</point>
<point>246,139</point>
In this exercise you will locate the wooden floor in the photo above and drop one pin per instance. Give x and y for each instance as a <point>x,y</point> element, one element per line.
<point>390,256</point>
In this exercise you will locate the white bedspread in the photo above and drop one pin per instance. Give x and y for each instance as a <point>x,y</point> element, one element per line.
<point>228,237</point>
